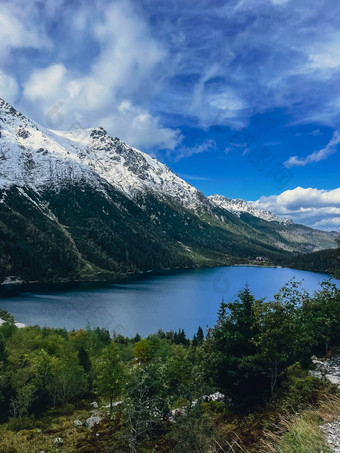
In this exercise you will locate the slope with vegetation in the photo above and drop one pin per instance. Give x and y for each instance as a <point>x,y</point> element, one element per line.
<point>258,355</point>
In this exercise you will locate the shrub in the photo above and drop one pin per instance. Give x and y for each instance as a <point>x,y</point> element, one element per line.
<point>17,424</point>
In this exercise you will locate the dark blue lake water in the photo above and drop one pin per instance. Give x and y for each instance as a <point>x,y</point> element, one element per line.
<point>183,299</point>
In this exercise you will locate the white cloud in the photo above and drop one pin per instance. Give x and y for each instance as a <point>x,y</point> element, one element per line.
<point>316,156</point>
<point>325,56</point>
<point>8,87</point>
<point>138,128</point>
<point>109,93</point>
<point>17,30</point>
<point>313,207</point>
<point>250,56</point>
<point>46,83</point>
<point>14,34</point>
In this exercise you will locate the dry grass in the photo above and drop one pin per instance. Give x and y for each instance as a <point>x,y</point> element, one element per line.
<point>300,433</point>
<point>329,408</point>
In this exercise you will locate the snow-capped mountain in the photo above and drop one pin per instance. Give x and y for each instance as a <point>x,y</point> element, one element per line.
<point>31,157</point>
<point>38,157</point>
<point>238,206</point>
<point>81,205</point>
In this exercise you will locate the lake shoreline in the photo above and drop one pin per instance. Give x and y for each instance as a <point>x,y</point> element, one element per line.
<point>12,289</point>
<point>168,300</point>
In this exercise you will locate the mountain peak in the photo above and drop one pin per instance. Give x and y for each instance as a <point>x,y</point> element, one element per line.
<point>39,157</point>
<point>238,206</point>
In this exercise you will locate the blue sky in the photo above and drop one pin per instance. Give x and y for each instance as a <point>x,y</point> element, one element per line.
<point>239,97</point>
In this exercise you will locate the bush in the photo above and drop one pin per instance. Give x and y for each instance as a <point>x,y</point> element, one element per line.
<point>301,389</point>
<point>17,424</point>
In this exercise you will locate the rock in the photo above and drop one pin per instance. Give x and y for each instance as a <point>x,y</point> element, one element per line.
<point>94,404</point>
<point>333,379</point>
<point>58,441</point>
<point>91,421</point>
<point>332,432</point>
<point>77,423</point>
<point>217,396</point>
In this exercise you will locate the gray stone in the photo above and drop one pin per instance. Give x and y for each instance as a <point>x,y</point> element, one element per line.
<point>58,441</point>
<point>91,421</point>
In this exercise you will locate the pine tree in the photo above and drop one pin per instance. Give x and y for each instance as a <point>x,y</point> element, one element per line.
<point>222,312</point>
<point>200,335</point>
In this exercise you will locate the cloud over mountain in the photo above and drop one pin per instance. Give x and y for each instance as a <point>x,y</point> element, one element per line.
<point>312,207</point>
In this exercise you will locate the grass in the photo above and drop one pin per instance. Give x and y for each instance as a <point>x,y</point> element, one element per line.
<point>304,436</point>
<point>300,432</point>
<point>40,437</point>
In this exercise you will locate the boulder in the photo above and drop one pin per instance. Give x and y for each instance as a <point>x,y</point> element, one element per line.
<point>91,421</point>
<point>58,441</point>
<point>217,396</point>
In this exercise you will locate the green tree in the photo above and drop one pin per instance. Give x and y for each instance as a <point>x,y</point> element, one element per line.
<point>281,339</point>
<point>232,349</point>
<point>111,374</point>
<point>321,314</point>
<point>337,273</point>
<point>70,380</point>
<point>143,351</point>
<point>198,338</point>
<point>178,373</point>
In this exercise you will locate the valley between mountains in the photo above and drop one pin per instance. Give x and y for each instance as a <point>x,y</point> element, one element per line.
<point>82,205</point>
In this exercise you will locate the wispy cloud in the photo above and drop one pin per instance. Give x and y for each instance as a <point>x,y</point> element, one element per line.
<point>316,156</point>
<point>193,177</point>
<point>185,152</point>
<point>126,70</point>
<point>165,59</point>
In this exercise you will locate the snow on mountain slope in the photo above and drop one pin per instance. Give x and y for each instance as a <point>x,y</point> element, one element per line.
<point>31,157</point>
<point>128,169</point>
<point>238,206</point>
<point>35,157</point>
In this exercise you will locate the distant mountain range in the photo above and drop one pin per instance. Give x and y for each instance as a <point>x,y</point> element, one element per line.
<point>82,205</point>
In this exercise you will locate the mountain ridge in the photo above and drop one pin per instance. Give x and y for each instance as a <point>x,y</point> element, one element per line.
<point>110,209</point>
<point>238,206</point>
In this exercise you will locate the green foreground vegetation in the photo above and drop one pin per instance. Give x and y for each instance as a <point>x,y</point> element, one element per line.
<point>258,355</point>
